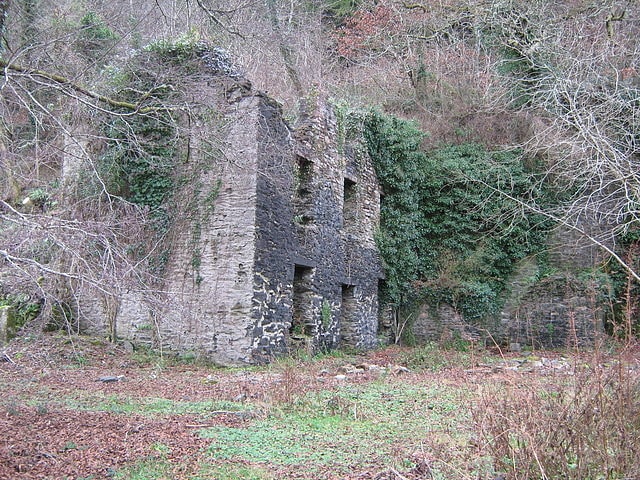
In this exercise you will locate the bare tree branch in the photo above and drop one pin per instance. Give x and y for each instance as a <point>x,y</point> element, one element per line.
<point>65,82</point>
<point>414,6</point>
<point>214,15</point>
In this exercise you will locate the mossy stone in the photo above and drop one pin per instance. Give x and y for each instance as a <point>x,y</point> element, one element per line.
<point>8,325</point>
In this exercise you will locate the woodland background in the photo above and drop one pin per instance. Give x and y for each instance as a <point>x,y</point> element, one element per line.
<point>493,123</point>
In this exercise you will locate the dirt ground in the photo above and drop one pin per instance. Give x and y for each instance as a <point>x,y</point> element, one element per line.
<point>43,436</point>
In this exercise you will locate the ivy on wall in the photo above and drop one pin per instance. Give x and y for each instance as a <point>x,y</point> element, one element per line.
<point>139,165</point>
<point>144,150</point>
<point>446,234</point>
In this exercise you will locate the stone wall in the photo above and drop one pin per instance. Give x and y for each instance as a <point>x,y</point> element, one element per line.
<point>556,312</point>
<point>317,268</point>
<point>540,311</point>
<point>271,246</point>
<point>209,274</point>
<point>561,309</point>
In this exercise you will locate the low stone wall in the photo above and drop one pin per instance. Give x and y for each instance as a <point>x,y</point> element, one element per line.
<point>561,310</point>
<point>558,311</point>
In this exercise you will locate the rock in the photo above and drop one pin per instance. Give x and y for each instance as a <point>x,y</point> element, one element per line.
<point>7,323</point>
<point>515,347</point>
<point>398,369</point>
<point>111,379</point>
<point>340,377</point>
<point>559,364</point>
<point>347,369</point>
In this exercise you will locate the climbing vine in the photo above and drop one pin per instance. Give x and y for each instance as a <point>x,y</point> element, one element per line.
<point>143,150</point>
<point>445,234</point>
<point>139,162</point>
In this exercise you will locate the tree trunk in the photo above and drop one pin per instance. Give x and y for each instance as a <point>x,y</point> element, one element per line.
<point>285,49</point>
<point>4,10</point>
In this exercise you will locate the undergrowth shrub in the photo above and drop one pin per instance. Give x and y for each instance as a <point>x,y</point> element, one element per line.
<point>586,428</point>
<point>433,357</point>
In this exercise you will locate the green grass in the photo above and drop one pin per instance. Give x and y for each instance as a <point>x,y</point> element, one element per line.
<point>160,469</point>
<point>380,423</point>
<point>297,431</point>
<point>151,406</point>
<point>147,469</point>
<point>233,472</point>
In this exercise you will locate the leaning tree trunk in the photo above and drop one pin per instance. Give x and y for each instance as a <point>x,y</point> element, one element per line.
<point>4,9</point>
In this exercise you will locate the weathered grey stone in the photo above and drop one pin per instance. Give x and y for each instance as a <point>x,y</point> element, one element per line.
<point>554,311</point>
<point>282,257</point>
<point>557,311</point>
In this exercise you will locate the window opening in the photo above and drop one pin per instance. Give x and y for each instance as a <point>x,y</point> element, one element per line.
<point>303,188</point>
<point>304,176</point>
<point>349,205</point>
<point>302,321</point>
<point>348,311</point>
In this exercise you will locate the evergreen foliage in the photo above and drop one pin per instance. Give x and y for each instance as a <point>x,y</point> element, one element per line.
<point>143,150</point>
<point>95,35</point>
<point>140,160</point>
<point>446,235</point>
<point>337,10</point>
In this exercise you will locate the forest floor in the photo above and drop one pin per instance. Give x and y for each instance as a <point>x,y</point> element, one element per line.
<point>81,408</point>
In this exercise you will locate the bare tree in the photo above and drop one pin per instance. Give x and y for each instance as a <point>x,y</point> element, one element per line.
<point>64,231</point>
<point>582,85</point>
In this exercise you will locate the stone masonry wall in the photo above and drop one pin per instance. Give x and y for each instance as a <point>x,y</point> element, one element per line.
<point>203,304</point>
<point>312,269</point>
<point>209,277</point>
<point>271,246</point>
<point>275,243</point>
<point>558,310</point>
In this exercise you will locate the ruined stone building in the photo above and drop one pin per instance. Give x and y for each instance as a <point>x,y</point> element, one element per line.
<point>277,251</point>
<point>270,242</point>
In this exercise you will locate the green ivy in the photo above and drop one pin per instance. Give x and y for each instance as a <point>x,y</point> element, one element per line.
<point>95,36</point>
<point>141,159</point>
<point>25,309</point>
<point>338,10</point>
<point>139,162</point>
<point>144,150</point>
<point>94,28</point>
<point>619,290</point>
<point>446,235</point>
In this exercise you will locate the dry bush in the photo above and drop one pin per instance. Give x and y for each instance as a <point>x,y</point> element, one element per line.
<point>582,426</point>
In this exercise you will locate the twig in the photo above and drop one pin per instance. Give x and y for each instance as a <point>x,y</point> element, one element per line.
<point>413,6</point>
<point>212,14</point>
<point>60,80</point>
<point>7,358</point>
